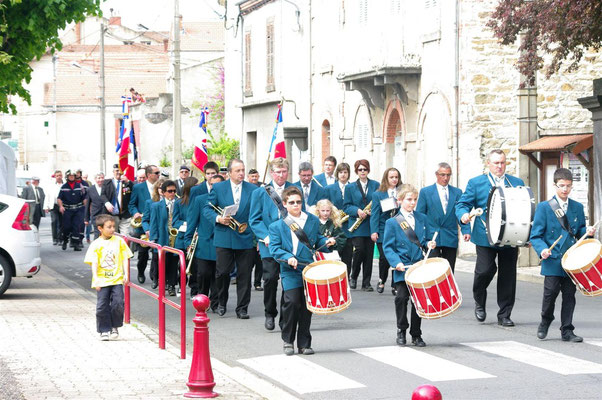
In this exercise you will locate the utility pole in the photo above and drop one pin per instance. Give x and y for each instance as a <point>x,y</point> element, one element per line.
<point>103,150</point>
<point>177,121</point>
<point>54,123</point>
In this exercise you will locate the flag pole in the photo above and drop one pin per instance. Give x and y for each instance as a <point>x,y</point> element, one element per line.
<point>267,162</point>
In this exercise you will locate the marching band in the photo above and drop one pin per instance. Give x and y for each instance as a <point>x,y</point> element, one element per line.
<point>222,223</point>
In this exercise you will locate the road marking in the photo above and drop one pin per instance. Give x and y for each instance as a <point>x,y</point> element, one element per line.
<point>300,375</point>
<point>422,364</point>
<point>595,342</point>
<point>546,359</point>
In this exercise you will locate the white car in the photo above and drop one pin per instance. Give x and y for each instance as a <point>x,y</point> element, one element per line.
<point>19,242</point>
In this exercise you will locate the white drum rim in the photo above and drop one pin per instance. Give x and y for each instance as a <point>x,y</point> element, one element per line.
<point>499,239</point>
<point>586,265</point>
<point>432,282</point>
<point>336,278</point>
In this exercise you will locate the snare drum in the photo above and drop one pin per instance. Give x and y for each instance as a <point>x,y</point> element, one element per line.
<point>583,263</point>
<point>510,212</point>
<point>326,288</point>
<point>433,288</point>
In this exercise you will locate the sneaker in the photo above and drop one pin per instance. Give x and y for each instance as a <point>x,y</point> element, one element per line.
<point>114,334</point>
<point>104,336</point>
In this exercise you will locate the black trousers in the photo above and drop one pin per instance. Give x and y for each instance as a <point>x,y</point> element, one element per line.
<point>154,268</point>
<point>506,280</point>
<point>109,308</point>
<point>552,286</point>
<point>258,267</point>
<point>205,279</point>
<point>296,318</point>
<point>172,268</point>
<point>56,223</point>
<point>226,259</point>
<point>73,225</point>
<point>383,264</point>
<point>271,275</point>
<point>401,311</point>
<point>449,253</point>
<point>363,253</point>
<point>347,255</point>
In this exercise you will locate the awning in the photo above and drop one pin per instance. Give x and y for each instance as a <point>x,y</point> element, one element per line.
<point>575,144</point>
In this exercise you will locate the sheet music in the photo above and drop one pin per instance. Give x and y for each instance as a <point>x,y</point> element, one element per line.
<point>388,204</point>
<point>230,210</point>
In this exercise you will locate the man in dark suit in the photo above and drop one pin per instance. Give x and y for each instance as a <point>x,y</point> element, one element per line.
<point>209,170</point>
<point>140,193</point>
<point>438,202</point>
<point>475,196</point>
<point>232,247</point>
<point>118,192</point>
<point>183,174</point>
<point>312,191</point>
<point>96,203</point>
<point>35,193</point>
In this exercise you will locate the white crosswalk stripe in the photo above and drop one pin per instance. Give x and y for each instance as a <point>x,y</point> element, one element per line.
<point>595,342</point>
<point>300,375</point>
<point>531,355</point>
<point>422,364</point>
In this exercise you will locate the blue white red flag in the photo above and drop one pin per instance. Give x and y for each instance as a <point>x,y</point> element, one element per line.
<point>199,156</point>
<point>277,144</point>
<point>126,145</point>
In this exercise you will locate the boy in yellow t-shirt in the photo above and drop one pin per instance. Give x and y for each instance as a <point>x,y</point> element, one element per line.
<point>108,256</point>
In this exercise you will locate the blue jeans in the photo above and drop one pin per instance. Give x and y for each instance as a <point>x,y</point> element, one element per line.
<point>109,308</point>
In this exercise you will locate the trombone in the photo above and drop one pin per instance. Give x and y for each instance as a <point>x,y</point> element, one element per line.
<point>234,224</point>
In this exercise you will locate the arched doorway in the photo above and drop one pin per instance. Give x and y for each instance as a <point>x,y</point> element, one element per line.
<point>325,139</point>
<point>435,130</point>
<point>393,136</point>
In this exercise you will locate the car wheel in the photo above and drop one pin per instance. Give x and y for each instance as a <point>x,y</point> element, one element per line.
<point>6,274</point>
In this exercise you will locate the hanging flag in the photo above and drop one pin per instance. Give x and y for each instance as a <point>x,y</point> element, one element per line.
<point>126,145</point>
<point>199,157</point>
<point>277,144</point>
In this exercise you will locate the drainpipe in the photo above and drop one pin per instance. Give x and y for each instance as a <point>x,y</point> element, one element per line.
<point>457,91</point>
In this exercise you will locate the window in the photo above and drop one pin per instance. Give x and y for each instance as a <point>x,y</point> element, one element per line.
<point>269,62</point>
<point>395,7</point>
<point>362,131</point>
<point>432,18</point>
<point>248,87</point>
<point>363,12</point>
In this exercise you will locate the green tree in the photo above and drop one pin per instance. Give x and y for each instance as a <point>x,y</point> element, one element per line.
<point>27,31</point>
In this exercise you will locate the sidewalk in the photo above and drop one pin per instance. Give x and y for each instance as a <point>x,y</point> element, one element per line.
<point>49,349</point>
<point>525,274</point>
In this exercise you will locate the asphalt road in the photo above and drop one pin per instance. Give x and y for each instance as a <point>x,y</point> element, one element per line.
<point>356,356</point>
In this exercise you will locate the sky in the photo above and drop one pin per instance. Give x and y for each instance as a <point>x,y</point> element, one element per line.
<point>157,15</point>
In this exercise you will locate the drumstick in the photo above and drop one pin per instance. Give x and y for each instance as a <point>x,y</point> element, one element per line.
<point>585,235</point>
<point>477,212</point>
<point>553,244</point>
<point>334,237</point>
<point>286,261</point>
<point>429,250</point>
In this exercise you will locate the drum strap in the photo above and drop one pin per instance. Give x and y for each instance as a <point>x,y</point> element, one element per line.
<point>561,216</point>
<point>298,231</point>
<point>276,199</point>
<point>407,229</point>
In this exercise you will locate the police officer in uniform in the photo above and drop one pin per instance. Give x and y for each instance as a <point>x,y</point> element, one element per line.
<point>71,201</point>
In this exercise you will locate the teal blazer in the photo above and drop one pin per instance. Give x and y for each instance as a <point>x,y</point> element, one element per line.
<point>205,250</point>
<point>180,212</point>
<point>378,217</point>
<point>138,200</point>
<point>398,248</point>
<point>316,193</point>
<point>354,202</point>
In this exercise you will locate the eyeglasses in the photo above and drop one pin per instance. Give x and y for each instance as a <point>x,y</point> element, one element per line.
<point>292,203</point>
<point>448,175</point>
<point>362,169</point>
<point>564,187</point>
<point>171,191</point>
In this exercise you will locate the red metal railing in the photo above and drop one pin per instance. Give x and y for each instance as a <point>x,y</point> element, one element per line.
<point>160,296</point>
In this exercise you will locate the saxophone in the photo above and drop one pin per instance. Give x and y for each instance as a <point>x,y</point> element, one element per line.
<point>173,232</point>
<point>359,220</point>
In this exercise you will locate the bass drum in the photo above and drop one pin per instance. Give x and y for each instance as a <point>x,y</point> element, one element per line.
<point>510,212</point>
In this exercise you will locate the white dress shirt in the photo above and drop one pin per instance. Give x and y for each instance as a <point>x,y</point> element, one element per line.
<point>329,179</point>
<point>301,220</point>
<point>149,186</point>
<point>342,187</point>
<point>563,204</point>
<point>236,191</point>
<point>364,187</point>
<point>278,189</point>
<point>443,192</point>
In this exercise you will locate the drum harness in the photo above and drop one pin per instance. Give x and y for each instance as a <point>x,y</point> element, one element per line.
<point>407,229</point>
<point>561,217</point>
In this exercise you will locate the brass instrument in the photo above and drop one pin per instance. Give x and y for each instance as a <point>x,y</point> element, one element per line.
<point>344,216</point>
<point>234,224</point>
<point>173,232</point>
<point>191,250</point>
<point>144,237</point>
<point>136,222</point>
<point>360,220</point>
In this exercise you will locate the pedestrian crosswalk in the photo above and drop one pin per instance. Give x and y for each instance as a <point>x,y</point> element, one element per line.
<point>306,375</point>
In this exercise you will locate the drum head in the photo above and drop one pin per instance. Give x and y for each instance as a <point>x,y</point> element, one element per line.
<point>432,270</point>
<point>582,255</point>
<point>326,269</point>
<point>495,215</point>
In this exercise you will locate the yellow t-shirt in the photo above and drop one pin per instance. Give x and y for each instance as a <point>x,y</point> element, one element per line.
<point>111,257</point>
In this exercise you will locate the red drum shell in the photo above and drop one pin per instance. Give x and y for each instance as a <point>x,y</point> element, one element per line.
<point>329,295</point>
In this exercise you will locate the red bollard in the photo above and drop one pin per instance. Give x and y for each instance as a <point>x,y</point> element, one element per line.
<point>426,392</point>
<point>200,380</point>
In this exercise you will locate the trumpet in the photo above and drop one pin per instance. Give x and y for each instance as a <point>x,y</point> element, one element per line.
<point>191,250</point>
<point>234,224</point>
<point>359,220</point>
<point>144,237</point>
<point>136,222</point>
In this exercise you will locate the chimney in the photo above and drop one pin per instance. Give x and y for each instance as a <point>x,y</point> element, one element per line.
<point>115,21</point>
<point>165,45</point>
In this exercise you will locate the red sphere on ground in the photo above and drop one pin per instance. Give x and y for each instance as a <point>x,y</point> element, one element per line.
<point>426,392</point>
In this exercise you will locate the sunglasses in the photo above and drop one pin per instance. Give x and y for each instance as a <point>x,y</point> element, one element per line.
<point>362,169</point>
<point>170,191</point>
<point>291,203</point>
<point>156,173</point>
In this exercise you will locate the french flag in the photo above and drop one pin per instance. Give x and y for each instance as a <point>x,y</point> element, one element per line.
<point>126,145</point>
<point>277,144</point>
<point>199,157</point>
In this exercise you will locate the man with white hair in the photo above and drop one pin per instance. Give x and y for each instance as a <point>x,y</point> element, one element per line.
<point>35,194</point>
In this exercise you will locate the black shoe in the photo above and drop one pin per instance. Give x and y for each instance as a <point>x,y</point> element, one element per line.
<point>258,288</point>
<point>380,287</point>
<point>394,291</point>
<point>569,336</point>
<point>479,313</point>
<point>542,330</point>
<point>64,246</point>
<point>141,278</point>
<point>213,308</point>
<point>242,315</point>
<point>154,285</point>
<point>368,289</point>
<point>288,348</point>
<point>352,283</point>
<point>401,337</point>
<point>307,351</point>
<point>221,310</point>
<point>505,321</point>
<point>171,290</point>
<point>269,323</point>
<point>77,247</point>
<point>418,342</point>
<point>55,242</point>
